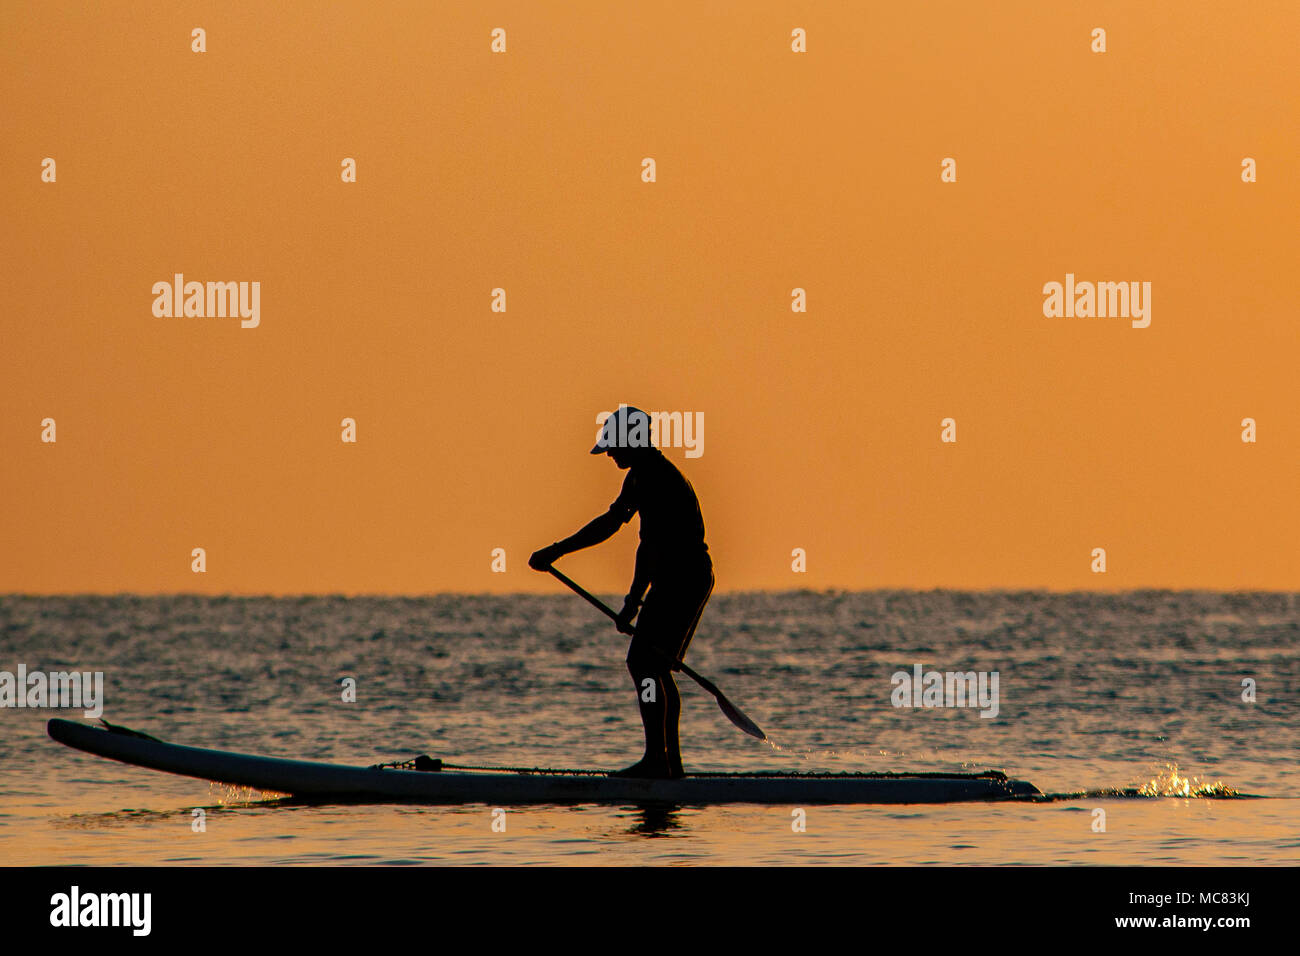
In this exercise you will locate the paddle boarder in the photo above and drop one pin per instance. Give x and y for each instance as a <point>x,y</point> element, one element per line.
<point>672,561</point>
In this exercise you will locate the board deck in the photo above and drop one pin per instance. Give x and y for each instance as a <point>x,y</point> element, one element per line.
<point>310,780</point>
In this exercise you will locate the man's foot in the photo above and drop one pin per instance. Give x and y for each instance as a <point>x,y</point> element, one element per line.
<point>650,769</point>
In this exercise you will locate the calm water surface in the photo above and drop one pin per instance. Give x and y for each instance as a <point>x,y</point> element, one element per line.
<point>1097,692</point>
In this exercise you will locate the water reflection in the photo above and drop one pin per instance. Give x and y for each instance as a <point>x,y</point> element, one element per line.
<point>655,819</point>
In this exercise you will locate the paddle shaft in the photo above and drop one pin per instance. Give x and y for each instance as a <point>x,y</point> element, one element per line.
<point>733,713</point>
<point>596,602</point>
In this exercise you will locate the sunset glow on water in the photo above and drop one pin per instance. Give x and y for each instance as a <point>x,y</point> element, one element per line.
<point>1154,707</point>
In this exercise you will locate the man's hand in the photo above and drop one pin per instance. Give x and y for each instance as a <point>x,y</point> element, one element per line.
<point>543,558</point>
<point>624,620</point>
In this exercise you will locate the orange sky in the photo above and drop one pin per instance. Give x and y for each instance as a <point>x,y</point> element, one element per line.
<point>775,170</point>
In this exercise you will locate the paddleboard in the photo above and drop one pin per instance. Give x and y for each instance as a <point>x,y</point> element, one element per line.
<point>326,782</point>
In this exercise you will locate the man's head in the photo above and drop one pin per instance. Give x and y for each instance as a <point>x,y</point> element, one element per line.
<point>625,436</point>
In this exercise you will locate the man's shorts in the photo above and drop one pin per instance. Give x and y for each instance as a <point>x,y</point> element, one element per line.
<point>668,619</point>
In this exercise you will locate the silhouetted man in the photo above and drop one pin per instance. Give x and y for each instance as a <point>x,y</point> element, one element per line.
<point>672,561</point>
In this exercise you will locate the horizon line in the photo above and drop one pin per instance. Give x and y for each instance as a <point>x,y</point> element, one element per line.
<point>734,591</point>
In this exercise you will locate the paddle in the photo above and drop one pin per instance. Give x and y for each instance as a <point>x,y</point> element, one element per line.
<point>732,712</point>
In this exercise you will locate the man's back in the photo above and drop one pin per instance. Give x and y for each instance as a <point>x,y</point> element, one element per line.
<point>672,527</point>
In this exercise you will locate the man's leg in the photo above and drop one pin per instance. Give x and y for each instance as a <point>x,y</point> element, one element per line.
<point>664,630</point>
<point>672,714</point>
<point>672,699</point>
<point>651,679</point>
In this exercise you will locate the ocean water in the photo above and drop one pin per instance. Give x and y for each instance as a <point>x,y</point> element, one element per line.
<point>1098,694</point>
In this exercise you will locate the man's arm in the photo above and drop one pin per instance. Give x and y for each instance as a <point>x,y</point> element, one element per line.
<point>593,532</point>
<point>632,603</point>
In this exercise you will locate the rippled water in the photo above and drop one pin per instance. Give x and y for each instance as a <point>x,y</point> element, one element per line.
<point>1096,692</point>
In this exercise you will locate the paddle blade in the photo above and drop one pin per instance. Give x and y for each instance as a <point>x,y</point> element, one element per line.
<point>732,712</point>
<point>737,717</point>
